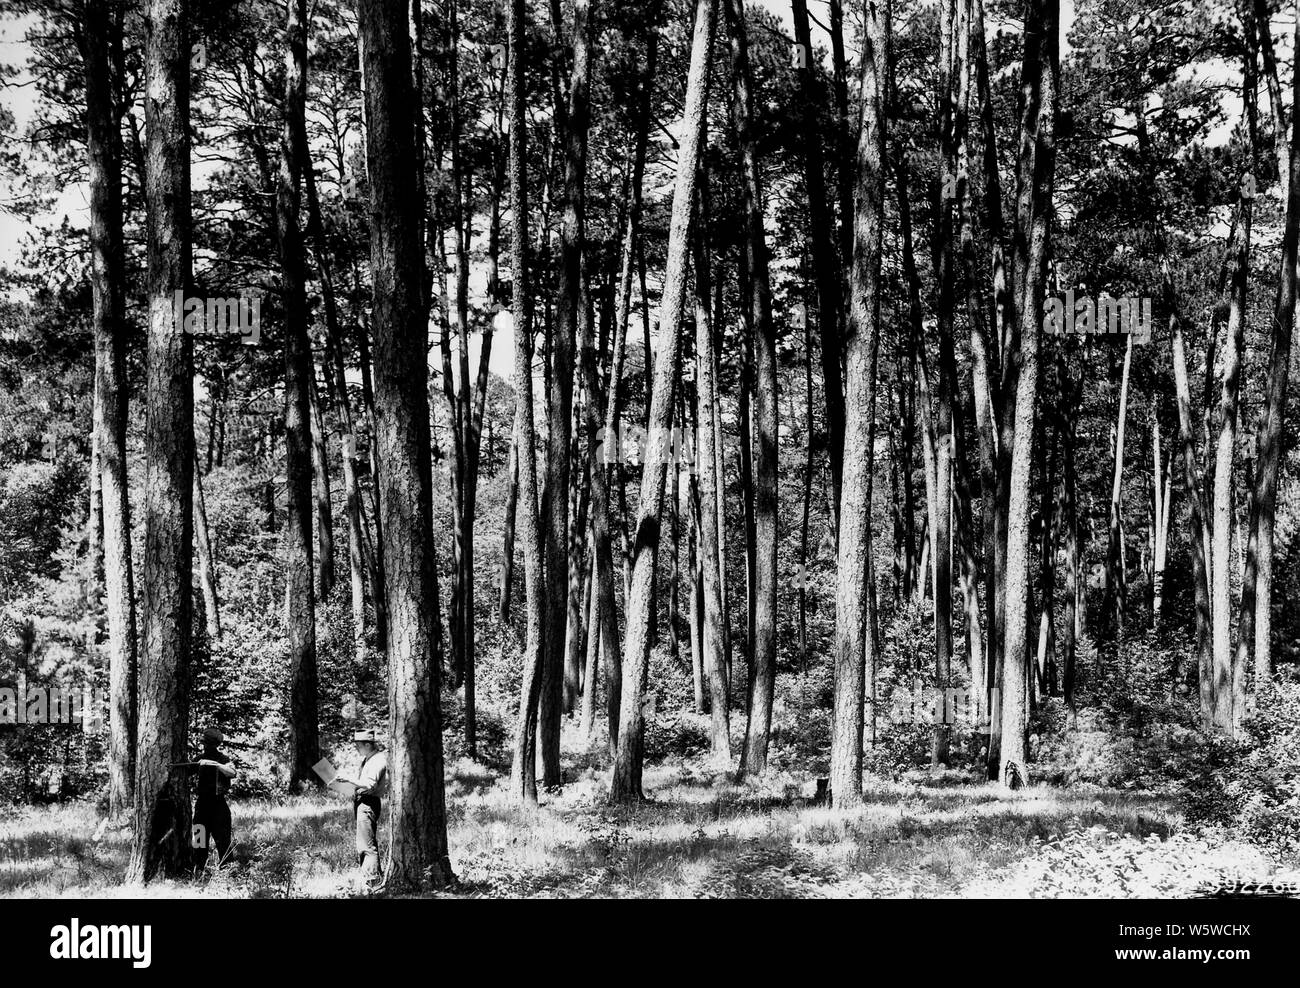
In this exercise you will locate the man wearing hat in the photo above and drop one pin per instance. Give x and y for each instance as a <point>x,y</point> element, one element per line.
<point>215,771</point>
<point>371,781</point>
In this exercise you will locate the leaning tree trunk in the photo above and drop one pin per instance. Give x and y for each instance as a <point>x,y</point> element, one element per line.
<point>415,763</point>
<point>626,783</point>
<point>854,648</point>
<point>611,648</point>
<point>102,34</point>
<point>207,560</point>
<point>162,803</point>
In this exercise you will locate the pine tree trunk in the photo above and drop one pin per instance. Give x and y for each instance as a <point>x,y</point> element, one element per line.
<point>1194,485</point>
<point>415,760</point>
<point>1040,70</point>
<point>1269,441</point>
<point>1116,575</point>
<point>320,468</point>
<point>1225,447</point>
<point>506,568</point>
<point>626,783</point>
<point>827,271</point>
<point>101,56</point>
<point>605,455</point>
<point>710,534</point>
<point>854,645</point>
<point>555,696</point>
<point>162,805</point>
<point>758,304</point>
<point>207,561</point>
<point>524,773</point>
<point>300,593</point>
<point>1069,506</point>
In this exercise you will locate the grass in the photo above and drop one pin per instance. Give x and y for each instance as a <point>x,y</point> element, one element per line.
<point>700,833</point>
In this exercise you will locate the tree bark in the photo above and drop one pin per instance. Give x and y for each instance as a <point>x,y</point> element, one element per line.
<point>207,561</point>
<point>101,53</point>
<point>559,685</point>
<point>299,565</point>
<point>1194,485</point>
<point>524,773</point>
<point>1269,439</point>
<point>415,759</point>
<point>710,536</point>
<point>320,468</point>
<point>1040,67</point>
<point>626,783</point>
<point>101,50</point>
<point>854,647</point>
<point>827,272</point>
<point>759,323</point>
<point>162,805</point>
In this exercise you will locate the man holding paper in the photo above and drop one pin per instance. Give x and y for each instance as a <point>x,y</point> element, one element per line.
<point>371,784</point>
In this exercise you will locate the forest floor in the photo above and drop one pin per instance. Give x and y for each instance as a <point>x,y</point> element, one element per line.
<point>699,834</point>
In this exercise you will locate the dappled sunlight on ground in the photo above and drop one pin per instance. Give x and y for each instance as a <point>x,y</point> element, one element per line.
<point>700,833</point>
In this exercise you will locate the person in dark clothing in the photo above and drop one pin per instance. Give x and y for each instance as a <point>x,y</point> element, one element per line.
<point>212,826</point>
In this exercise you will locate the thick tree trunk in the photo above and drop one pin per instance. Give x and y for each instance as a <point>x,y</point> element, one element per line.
<point>162,803</point>
<point>101,58</point>
<point>854,647</point>
<point>415,761</point>
<point>1040,68</point>
<point>299,566</point>
<point>626,783</point>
